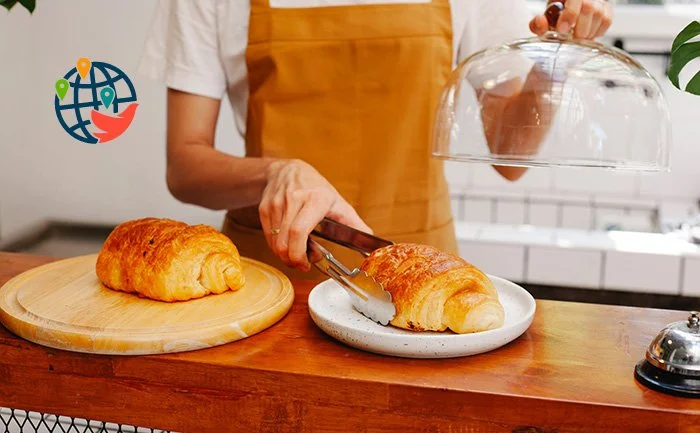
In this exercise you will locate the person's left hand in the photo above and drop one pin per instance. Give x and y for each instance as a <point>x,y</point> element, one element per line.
<point>590,19</point>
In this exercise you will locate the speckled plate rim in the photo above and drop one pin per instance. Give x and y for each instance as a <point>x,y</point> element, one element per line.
<point>423,344</point>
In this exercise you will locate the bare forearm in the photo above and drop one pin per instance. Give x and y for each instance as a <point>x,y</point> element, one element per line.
<point>518,116</point>
<point>203,176</point>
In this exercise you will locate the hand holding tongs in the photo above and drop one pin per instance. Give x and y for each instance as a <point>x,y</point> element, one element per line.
<point>366,294</point>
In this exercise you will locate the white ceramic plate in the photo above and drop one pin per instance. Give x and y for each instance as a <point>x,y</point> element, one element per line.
<point>332,311</point>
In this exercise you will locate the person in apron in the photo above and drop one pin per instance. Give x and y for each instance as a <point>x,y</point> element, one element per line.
<point>340,101</point>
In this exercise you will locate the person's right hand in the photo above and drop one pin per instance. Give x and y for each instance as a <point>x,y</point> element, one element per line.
<point>590,19</point>
<point>294,201</point>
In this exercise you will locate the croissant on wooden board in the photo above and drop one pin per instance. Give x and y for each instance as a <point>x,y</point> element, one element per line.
<point>168,260</point>
<point>433,290</point>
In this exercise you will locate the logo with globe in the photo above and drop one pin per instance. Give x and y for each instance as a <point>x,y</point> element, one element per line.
<point>95,102</point>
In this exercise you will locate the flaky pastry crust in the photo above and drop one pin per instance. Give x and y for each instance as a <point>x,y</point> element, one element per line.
<point>168,260</point>
<point>434,291</point>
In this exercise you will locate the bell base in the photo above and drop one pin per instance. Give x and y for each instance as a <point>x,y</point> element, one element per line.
<point>669,383</point>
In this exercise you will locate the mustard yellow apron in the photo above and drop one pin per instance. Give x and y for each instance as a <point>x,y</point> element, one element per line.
<point>352,90</point>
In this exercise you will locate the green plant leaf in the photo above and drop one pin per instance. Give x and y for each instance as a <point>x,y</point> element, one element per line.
<point>681,57</point>
<point>682,53</point>
<point>8,3</point>
<point>29,4</point>
<point>688,33</point>
<point>694,85</point>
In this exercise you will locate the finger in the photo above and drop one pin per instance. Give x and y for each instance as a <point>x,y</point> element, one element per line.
<point>271,212</point>
<point>585,19</point>
<point>314,253</point>
<point>310,214</point>
<point>606,21</point>
<point>264,213</point>
<point>342,212</point>
<point>539,25</point>
<point>569,16</point>
<point>596,19</point>
<point>293,203</point>
<point>277,205</point>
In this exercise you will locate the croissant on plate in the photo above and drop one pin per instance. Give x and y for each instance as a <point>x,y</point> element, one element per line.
<point>433,290</point>
<point>168,260</point>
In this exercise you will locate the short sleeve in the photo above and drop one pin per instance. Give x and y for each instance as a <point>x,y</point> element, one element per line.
<point>182,48</point>
<point>494,22</point>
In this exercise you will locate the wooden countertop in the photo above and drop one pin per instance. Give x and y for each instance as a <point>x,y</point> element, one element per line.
<point>572,371</point>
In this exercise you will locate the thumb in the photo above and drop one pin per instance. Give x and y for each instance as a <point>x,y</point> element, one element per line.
<point>539,25</point>
<point>343,213</point>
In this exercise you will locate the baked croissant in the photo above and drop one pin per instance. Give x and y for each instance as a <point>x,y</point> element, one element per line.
<point>169,260</point>
<point>433,290</point>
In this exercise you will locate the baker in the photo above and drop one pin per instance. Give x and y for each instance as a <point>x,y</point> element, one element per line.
<point>335,99</point>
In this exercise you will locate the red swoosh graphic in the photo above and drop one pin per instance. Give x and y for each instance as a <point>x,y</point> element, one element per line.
<point>113,126</point>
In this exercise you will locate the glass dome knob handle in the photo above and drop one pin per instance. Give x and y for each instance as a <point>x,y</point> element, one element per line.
<point>552,13</point>
<point>694,320</point>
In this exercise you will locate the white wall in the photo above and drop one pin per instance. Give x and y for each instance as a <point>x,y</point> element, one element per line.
<point>45,174</point>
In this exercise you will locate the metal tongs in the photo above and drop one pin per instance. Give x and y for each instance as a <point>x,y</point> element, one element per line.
<point>366,294</point>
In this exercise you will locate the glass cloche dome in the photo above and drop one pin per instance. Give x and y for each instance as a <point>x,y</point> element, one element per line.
<point>554,101</point>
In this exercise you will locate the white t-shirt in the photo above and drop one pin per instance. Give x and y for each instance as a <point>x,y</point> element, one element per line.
<point>198,46</point>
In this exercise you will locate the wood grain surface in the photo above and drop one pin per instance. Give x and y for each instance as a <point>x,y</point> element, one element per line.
<point>63,305</point>
<point>572,371</point>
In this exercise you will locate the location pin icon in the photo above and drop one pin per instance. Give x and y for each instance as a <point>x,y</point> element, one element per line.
<point>62,86</point>
<point>107,96</point>
<point>83,66</point>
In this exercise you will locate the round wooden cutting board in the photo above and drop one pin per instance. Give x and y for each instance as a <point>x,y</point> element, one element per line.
<point>63,305</point>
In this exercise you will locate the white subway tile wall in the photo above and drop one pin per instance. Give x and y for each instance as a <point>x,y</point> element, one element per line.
<point>566,211</point>
<point>457,209</point>
<point>673,210</point>
<point>624,202</point>
<point>608,218</point>
<point>543,215</point>
<point>516,234</point>
<point>510,212</point>
<point>467,231</point>
<point>594,181</point>
<point>641,220</point>
<point>503,260</point>
<point>642,272</point>
<point>577,216</point>
<point>627,261</point>
<point>564,267</point>
<point>478,210</point>
<point>457,175</point>
<point>691,277</point>
<point>485,176</point>
<point>684,179</point>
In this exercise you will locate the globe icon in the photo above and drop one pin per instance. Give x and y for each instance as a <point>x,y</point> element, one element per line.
<point>95,101</point>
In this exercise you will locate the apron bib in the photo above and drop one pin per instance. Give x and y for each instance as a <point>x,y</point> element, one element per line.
<point>352,90</point>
